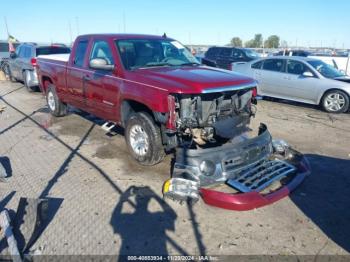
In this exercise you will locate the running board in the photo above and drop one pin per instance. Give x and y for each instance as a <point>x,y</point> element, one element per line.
<point>108,126</point>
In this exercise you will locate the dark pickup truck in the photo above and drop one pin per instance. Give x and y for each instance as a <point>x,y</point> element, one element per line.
<point>165,100</point>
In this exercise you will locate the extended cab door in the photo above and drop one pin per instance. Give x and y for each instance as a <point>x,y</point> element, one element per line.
<point>75,74</point>
<point>101,86</point>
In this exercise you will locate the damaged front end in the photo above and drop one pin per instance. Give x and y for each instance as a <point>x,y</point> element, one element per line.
<point>217,161</point>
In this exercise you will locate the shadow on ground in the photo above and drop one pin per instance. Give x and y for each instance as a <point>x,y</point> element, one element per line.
<point>142,232</point>
<point>324,197</point>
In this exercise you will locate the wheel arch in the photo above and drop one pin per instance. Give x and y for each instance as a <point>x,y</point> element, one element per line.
<point>329,90</point>
<point>130,106</point>
<point>45,82</point>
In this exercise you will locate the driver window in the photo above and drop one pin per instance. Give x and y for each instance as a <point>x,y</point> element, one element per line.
<point>102,50</point>
<point>296,67</point>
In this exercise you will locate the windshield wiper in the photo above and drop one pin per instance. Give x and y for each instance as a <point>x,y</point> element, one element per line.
<point>154,65</point>
<point>190,64</point>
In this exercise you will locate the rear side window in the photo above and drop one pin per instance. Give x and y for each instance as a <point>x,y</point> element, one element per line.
<point>27,52</point>
<point>257,65</point>
<point>213,51</point>
<point>226,52</point>
<point>51,50</point>
<point>273,65</point>
<point>80,53</point>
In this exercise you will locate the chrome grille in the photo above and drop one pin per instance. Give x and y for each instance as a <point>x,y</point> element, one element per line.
<point>260,175</point>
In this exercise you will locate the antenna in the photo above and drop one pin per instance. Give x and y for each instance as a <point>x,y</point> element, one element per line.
<point>7,29</point>
<point>164,35</point>
<point>70,31</point>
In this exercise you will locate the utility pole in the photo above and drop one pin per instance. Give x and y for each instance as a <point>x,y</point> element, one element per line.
<point>77,24</point>
<point>70,32</point>
<point>124,23</point>
<point>7,28</point>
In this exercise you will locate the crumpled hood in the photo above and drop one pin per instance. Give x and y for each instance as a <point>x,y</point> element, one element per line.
<point>189,79</point>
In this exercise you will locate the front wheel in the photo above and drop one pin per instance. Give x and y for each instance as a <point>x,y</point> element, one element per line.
<point>335,101</point>
<point>143,139</point>
<point>56,107</point>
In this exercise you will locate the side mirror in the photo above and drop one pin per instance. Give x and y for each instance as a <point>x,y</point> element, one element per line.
<point>13,55</point>
<point>100,64</point>
<point>307,74</point>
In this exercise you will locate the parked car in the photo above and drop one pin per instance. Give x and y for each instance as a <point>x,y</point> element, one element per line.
<point>5,54</point>
<point>223,57</point>
<point>301,79</point>
<point>165,100</point>
<point>22,63</point>
<point>293,53</point>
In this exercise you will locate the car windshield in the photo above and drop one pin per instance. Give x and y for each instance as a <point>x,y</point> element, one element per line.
<point>326,70</point>
<point>251,53</point>
<point>145,53</point>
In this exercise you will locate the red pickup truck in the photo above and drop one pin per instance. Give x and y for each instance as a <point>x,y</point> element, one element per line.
<point>154,88</point>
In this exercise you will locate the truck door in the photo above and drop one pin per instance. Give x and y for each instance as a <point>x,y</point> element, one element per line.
<point>75,75</point>
<point>101,86</point>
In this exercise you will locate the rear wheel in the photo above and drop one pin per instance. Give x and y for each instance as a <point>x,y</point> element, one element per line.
<point>143,139</point>
<point>335,101</point>
<point>56,107</point>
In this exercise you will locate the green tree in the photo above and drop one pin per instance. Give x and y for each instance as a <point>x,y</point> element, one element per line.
<point>256,42</point>
<point>236,42</point>
<point>272,41</point>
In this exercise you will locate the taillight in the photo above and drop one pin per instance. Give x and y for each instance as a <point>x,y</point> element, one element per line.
<point>33,61</point>
<point>255,92</point>
<point>171,124</point>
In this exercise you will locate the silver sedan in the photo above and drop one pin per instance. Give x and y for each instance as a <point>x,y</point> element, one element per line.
<point>301,79</point>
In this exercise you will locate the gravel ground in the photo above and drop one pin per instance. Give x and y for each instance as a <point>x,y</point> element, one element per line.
<point>88,176</point>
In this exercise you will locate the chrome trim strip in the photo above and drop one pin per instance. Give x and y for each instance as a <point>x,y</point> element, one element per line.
<point>229,88</point>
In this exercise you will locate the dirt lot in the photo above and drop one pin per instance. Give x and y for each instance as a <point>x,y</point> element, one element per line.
<point>72,161</point>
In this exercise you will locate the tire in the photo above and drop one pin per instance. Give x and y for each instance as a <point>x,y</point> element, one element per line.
<point>335,101</point>
<point>143,139</point>
<point>56,107</point>
<point>25,82</point>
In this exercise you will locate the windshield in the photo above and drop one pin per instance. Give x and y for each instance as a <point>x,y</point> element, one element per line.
<point>142,53</point>
<point>326,70</point>
<point>251,53</point>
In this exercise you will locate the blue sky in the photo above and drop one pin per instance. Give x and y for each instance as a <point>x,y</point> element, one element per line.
<point>307,23</point>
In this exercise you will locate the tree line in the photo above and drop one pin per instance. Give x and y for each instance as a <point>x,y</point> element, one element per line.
<point>273,41</point>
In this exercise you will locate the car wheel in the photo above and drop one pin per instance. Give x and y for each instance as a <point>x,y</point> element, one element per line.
<point>143,139</point>
<point>26,81</point>
<point>335,101</point>
<point>56,107</point>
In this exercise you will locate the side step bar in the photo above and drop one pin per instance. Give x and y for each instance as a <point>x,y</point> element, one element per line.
<point>108,126</point>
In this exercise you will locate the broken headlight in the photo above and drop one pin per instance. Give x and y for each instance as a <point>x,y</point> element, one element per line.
<point>207,168</point>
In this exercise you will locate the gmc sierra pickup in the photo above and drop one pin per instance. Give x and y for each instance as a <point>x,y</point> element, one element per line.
<point>165,100</point>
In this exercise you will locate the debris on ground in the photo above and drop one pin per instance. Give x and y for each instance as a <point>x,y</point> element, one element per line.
<point>2,109</point>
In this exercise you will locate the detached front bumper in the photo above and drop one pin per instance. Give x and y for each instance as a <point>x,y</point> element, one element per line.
<point>253,199</point>
<point>258,171</point>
